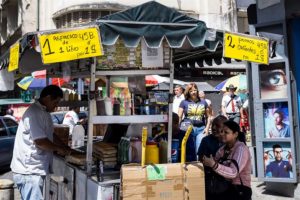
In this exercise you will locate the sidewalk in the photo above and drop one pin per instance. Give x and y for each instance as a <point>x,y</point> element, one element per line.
<point>258,189</point>
<point>259,192</point>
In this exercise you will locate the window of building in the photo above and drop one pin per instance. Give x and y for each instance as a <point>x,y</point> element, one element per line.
<point>80,17</point>
<point>69,20</point>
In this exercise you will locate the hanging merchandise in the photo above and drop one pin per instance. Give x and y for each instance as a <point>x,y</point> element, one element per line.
<point>6,80</point>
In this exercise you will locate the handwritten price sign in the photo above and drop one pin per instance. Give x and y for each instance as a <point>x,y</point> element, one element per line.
<point>14,57</point>
<point>244,47</point>
<point>70,45</point>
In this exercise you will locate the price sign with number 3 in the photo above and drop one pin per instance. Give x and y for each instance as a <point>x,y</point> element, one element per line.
<point>70,45</point>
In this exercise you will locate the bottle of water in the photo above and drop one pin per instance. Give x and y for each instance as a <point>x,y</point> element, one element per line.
<point>78,136</point>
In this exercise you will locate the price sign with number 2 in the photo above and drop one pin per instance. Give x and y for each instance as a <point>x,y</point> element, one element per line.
<point>70,45</point>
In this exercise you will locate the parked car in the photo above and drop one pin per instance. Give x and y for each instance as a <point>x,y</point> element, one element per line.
<point>8,130</point>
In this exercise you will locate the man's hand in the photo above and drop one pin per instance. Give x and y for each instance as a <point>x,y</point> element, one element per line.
<point>209,161</point>
<point>63,150</point>
<point>47,145</point>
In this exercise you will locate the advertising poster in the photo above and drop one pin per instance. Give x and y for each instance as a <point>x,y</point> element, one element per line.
<point>276,120</point>
<point>278,160</point>
<point>273,82</point>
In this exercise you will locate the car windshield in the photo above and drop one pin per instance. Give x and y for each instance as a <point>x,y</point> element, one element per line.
<point>11,125</point>
<point>2,129</point>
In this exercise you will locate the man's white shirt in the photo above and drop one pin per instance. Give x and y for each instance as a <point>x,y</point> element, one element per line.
<point>176,102</point>
<point>36,123</point>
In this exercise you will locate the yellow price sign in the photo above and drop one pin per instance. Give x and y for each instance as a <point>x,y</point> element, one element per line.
<point>70,45</point>
<point>245,47</point>
<point>14,57</point>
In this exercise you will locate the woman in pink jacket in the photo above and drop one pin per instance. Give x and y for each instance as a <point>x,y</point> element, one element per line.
<point>236,149</point>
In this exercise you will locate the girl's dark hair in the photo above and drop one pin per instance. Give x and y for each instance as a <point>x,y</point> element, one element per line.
<point>232,125</point>
<point>188,88</point>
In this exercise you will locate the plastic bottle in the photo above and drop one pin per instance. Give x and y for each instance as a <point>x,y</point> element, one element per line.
<point>147,108</point>
<point>152,153</point>
<point>116,107</point>
<point>163,151</point>
<point>120,151</point>
<point>71,97</point>
<point>66,95</point>
<point>76,98</point>
<point>108,106</point>
<point>175,149</point>
<point>78,136</point>
<point>127,107</point>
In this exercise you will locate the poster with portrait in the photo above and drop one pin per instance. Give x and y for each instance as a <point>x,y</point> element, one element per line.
<point>278,160</point>
<point>273,81</point>
<point>276,120</point>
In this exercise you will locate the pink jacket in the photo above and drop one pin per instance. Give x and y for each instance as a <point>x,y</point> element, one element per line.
<point>241,154</point>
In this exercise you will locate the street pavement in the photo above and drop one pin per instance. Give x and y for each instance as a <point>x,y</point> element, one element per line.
<point>260,192</point>
<point>258,188</point>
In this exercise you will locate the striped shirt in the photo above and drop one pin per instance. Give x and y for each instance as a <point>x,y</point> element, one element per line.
<point>241,154</point>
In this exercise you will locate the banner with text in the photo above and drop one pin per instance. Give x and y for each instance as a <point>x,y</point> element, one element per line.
<point>14,57</point>
<point>70,45</point>
<point>246,47</point>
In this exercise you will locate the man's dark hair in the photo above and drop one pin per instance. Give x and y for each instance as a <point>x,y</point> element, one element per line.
<point>53,91</point>
<point>219,118</point>
<point>10,112</point>
<point>279,112</point>
<point>276,146</point>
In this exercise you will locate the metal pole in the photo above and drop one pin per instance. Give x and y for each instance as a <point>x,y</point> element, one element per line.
<point>92,103</point>
<point>170,107</point>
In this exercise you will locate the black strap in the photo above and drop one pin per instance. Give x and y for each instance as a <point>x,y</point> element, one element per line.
<point>237,167</point>
<point>229,102</point>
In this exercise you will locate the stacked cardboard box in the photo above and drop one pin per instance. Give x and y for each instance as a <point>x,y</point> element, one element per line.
<point>171,182</point>
<point>105,152</point>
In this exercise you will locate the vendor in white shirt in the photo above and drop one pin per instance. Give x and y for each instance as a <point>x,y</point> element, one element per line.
<point>32,155</point>
<point>71,118</point>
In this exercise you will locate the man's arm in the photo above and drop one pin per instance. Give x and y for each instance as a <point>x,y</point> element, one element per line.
<point>47,145</point>
<point>180,114</point>
<point>223,108</point>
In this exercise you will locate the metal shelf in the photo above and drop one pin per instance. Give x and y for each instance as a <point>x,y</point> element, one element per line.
<point>136,119</point>
<point>73,103</point>
<point>132,72</point>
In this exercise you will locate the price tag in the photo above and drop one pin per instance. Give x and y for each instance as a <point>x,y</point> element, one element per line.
<point>14,57</point>
<point>70,45</point>
<point>244,47</point>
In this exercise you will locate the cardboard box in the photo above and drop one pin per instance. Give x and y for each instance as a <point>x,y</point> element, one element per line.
<point>163,182</point>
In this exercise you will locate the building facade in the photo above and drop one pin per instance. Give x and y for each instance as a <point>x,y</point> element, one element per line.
<point>19,17</point>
